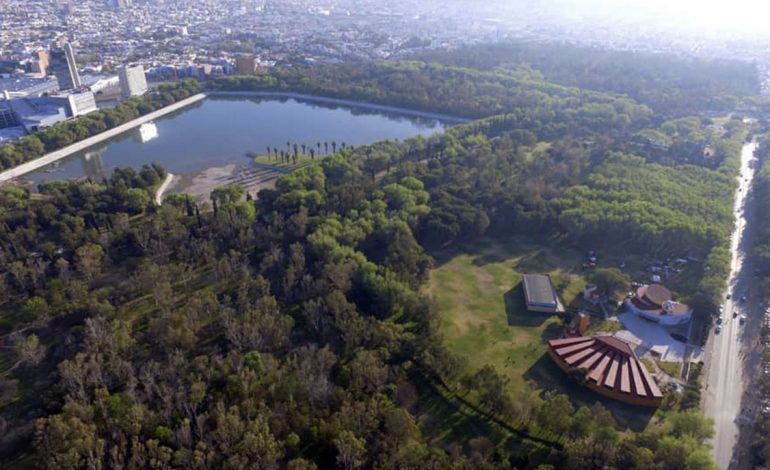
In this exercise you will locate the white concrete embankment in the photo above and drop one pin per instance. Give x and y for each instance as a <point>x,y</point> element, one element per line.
<point>47,159</point>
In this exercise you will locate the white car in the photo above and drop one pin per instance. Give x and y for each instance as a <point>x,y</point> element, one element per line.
<point>719,329</point>
<point>742,319</point>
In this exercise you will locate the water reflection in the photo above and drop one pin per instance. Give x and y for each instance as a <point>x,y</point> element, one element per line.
<point>219,132</point>
<point>146,132</point>
<point>92,163</point>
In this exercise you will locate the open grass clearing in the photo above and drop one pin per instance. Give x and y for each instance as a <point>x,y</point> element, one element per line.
<point>302,161</point>
<point>478,292</point>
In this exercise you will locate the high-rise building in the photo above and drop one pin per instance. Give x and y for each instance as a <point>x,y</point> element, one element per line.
<point>132,81</point>
<point>7,118</point>
<point>121,4</point>
<point>41,58</point>
<point>64,67</point>
<point>246,64</point>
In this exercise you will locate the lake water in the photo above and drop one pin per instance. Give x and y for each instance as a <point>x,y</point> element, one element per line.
<point>220,131</point>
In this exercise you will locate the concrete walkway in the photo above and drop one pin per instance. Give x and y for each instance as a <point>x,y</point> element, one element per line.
<point>47,159</point>
<point>162,189</point>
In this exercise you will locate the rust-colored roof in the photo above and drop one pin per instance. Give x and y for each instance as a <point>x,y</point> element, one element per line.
<point>609,362</point>
<point>655,293</point>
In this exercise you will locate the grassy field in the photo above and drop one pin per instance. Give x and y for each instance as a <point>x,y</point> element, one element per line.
<point>477,291</point>
<point>479,294</point>
<point>302,161</point>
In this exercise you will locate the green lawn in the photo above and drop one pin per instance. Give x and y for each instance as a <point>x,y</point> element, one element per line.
<point>674,369</point>
<point>302,161</point>
<point>479,296</point>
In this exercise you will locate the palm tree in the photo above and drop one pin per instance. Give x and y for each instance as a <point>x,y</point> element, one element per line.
<point>326,147</point>
<point>334,146</point>
<point>312,154</point>
<point>318,144</point>
<point>303,149</point>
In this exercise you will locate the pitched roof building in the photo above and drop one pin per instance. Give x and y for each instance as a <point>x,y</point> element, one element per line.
<point>611,368</point>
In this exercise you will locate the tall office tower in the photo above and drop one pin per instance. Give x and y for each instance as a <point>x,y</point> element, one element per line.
<point>121,4</point>
<point>246,64</point>
<point>64,67</point>
<point>132,81</point>
<point>41,56</point>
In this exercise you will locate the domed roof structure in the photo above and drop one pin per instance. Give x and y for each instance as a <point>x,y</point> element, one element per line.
<point>611,368</point>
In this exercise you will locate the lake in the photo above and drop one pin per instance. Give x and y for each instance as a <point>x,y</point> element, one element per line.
<point>218,133</point>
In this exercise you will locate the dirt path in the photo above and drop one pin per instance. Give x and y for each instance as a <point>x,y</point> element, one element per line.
<point>163,187</point>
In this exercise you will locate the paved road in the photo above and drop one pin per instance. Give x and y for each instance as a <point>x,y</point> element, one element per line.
<point>725,378</point>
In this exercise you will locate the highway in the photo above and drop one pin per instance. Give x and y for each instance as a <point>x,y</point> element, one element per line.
<point>725,379</point>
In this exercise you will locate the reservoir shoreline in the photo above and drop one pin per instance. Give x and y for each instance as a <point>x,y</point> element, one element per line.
<point>339,101</point>
<point>57,155</point>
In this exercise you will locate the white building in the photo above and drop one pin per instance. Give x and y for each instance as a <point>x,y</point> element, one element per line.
<point>655,303</point>
<point>132,81</point>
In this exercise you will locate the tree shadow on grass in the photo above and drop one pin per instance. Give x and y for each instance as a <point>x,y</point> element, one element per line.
<point>484,259</point>
<point>516,309</point>
<point>547,376</point>
<point>552,331</point>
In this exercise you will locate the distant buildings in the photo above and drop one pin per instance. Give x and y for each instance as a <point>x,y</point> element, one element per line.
<point>246,64</point>
<point>655,303</point>
<point>65,68</point>
<point>121,4</point>
<point>41,62</point>
<point>7,118</point>
<point>540,294</point>
<point>36,113</point>
<point>132,81</point>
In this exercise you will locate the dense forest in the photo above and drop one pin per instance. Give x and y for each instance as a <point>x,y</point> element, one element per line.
<point>672,86</point>
<point>287,329</point>
<point>451,90</point>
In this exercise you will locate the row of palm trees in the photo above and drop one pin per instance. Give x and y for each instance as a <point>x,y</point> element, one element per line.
<point>292,151</point>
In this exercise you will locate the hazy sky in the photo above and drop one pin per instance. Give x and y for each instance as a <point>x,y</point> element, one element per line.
<point>744,15</point>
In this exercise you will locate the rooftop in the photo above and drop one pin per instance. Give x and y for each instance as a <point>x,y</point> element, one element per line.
<point>610,365</point>
<point>538,290</point>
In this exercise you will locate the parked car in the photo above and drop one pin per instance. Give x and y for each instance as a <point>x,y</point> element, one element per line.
<point>743,298</point>
<point>743,319</point>
<point>720,319</point>
<point>719,329</point>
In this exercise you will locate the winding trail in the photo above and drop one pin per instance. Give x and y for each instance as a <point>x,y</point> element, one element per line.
<point>162,189</point>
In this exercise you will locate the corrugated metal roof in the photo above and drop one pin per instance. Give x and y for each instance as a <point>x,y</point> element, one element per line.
<point>538,290</point>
